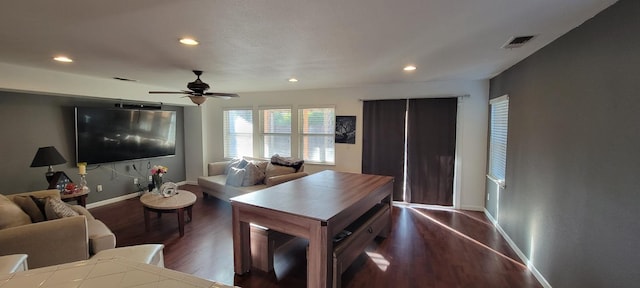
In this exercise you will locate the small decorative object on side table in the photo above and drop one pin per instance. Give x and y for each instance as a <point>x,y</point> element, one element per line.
<point>79,192</point>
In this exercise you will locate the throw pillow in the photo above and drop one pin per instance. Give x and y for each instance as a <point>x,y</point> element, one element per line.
<point>55,209</point>
<point>253,175</point>
<point>262,165</point>
<point>235,177</point>
<point>277,170</point>
<point>40,203</point>
<point>236,163</point>
<point>11,215</point>
<point>28,205</point>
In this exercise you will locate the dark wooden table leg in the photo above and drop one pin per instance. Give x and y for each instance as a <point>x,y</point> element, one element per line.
<point>181,221</point>
<point>189,213</point>
<point>82,200</point>
<point>146,219</point>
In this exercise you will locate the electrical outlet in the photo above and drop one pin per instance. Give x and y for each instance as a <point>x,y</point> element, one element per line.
<point>99,188</point>
<point>135,181</point>
<point>150,178</point>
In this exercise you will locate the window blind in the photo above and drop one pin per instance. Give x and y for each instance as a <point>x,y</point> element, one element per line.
<point>276,132</point>
<point>498,138</point>
<point>238,133</point>
<point>317,135</point>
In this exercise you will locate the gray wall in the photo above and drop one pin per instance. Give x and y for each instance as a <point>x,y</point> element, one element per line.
<point>30,121</point>
<point>572,198</point>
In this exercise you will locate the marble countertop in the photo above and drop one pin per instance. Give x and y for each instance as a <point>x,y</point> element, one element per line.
<point>99,273</point>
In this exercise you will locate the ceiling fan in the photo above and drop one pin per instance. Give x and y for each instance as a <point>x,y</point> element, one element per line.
<point>197,91</point>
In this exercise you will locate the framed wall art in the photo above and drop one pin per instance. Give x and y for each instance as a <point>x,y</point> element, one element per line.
<point>346,129</point>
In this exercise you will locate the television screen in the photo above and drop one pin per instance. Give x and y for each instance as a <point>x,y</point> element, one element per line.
<point>105,135</point>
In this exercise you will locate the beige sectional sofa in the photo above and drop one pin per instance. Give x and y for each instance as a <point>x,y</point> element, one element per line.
<point>50,242</point>
<point>216,183</point>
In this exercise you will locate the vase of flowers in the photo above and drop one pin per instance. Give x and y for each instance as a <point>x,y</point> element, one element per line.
<point>156,175</point>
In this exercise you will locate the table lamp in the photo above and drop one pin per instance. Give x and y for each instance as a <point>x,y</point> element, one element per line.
<point>48,156</point>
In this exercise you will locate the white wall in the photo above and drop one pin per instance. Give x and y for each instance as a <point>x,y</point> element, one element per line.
<point>54,83</point>
<point>194,143</point>
<point>472,125</point>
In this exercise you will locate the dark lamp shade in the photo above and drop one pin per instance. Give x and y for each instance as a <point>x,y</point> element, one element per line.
<point>47,156</point>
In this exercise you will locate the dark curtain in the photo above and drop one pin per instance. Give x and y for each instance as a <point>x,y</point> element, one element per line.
<point>431,149</point>
<point>383,141</point>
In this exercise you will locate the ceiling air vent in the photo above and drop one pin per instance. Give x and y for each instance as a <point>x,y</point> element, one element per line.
<point>517,42</point>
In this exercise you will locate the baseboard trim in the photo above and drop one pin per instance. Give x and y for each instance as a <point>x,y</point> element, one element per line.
<point>125,197</point>
<point>472,208</point>
<point>112,200</point>
<point>515,248</point>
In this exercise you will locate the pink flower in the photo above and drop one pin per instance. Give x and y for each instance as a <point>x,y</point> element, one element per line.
<point>158,169</point>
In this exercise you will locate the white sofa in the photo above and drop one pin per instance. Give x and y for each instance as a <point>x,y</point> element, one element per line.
<point>215,184</point>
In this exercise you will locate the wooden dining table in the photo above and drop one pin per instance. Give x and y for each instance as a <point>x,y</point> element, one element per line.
<point>316,207</point>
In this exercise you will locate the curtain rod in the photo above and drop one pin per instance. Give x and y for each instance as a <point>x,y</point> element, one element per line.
<point>421,97</point>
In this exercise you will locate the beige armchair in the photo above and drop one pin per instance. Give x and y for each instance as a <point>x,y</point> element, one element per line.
<point>57,241</point>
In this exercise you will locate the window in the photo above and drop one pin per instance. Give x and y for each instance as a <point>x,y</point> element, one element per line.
<point>498,138</point>
<point>238,133</point>
<point>276,132</point>
<point>317,134</point>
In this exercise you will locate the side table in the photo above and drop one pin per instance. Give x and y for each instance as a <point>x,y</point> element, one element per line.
<point>80,198</point>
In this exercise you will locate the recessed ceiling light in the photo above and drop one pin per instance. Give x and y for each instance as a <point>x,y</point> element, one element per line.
<point>188,41</point>
<point>409,68</point>
<point>62,59</point>
<point>293,80</point>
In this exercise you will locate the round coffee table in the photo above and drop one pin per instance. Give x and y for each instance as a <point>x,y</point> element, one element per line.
<point>178,203</point>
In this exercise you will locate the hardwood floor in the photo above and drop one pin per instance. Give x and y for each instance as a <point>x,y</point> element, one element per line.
<point>427,248</point>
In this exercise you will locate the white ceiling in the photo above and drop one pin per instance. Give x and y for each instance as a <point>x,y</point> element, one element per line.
<point>256,45</point>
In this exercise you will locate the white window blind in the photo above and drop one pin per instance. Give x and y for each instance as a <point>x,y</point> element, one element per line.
<point>276,132</point>
<point>498,138</point>
<point>238,133</point>
<point>317,135</point>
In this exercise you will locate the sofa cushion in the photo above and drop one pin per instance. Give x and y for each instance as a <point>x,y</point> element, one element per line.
<point>235,163</point>
<point>277,170</point>
<point>235,177</point>
<point>55,209</point>
<point>28,205</point>
<point>253,175</point>
<point>216,182</point>
<point>11,215</point>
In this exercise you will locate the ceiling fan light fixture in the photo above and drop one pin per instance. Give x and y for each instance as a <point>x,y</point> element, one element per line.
<point>63,59</point>
<point>409,68</point>
<point>197,92</point>
<point>198,100</point>
<point>293,80</point>
<point>189,41</point>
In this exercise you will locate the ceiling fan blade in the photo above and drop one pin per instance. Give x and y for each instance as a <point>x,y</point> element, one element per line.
<point>220,95</point>
<point>169,92</point>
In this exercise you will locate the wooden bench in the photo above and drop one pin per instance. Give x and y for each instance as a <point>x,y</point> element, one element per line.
<point>376,222</point>
<point>264,243</point>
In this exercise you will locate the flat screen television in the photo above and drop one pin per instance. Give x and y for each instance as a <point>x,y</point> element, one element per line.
<point>105,135</point>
